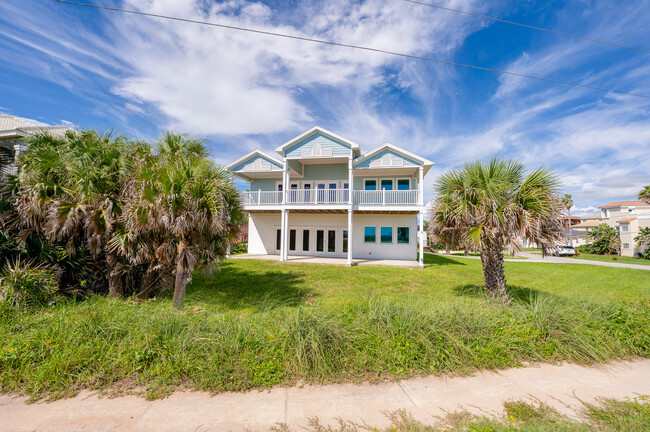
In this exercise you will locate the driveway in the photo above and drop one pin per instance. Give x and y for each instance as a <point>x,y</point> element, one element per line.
<point>532,257</point>
<point>424,397</point>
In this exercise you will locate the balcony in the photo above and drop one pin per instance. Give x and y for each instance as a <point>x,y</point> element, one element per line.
<point>333,196</point>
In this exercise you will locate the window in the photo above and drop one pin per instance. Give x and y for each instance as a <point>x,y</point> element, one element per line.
<point>625,228</point>
<point>403,235</point>
<point>403,184</point>
<point>386,234</point>
<point>370,185</point>
<point>278,240</point>
<point>331,240</point>
<point>279,188</point>
<point>370,234</point>
<point>626,245</point>
<point>320,240</point>
<point>345,240</point>
<point>305,240</point>
<point>292,240</point>
<point>387,184</point>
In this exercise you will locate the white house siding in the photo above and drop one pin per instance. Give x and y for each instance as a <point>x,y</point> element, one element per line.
<point>380,250</point>
<point>263,230</point>
<point>261,235</point>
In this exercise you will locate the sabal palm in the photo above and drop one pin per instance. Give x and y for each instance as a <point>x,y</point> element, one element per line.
<point>567,202</point>
<point>68,192</point>
<point>644,194</point>
<point>497,204</point>
<point>189,205</point>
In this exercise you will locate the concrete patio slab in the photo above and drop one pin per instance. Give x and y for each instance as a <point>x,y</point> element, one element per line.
<point>329,261</point>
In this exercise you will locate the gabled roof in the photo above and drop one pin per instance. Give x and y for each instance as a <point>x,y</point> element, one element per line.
<point>250,155</point>
<point>426,163</point>
<point>12,126</point>
<point>316,129</point>
<point>630,219</point>
<point>625,203</point>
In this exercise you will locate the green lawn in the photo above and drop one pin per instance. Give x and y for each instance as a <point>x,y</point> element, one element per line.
<point>476,254</point>
<point>613,258</point>
<point>263,323</point>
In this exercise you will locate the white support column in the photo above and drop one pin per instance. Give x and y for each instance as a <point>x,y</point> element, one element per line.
<point>285,235</point>
<point>421,186</point>
<point>350,180</point>
<point>350,243</point>
<point>421,236</point>
<point>282,245</point>
<point>285,180</point>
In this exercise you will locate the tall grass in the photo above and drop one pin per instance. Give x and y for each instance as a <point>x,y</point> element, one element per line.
<point>103,343</point>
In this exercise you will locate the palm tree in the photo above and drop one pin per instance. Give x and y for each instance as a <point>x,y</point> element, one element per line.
<point>568,203</point>
<point>496,204</point>
<point>68,192</point>
<point>643,242</point>
<point>644,194</point>
<point>183,205</point>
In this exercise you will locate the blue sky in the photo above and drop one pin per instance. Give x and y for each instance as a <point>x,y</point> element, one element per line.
<point>241,91</point>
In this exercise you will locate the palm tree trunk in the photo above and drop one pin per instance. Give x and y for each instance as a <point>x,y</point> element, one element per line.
<point>570,236</point>
<point>493,272</point>
<point>114,279</point>
<point>147,283</point>
<point>447,249</point>
<point>466,253</point>
<point>181,277</point>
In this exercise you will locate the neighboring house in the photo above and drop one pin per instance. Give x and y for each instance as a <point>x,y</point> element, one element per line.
<point>626,216</point>
<point>322,197</point>
<point>586,223</point>
<point>13,129</point>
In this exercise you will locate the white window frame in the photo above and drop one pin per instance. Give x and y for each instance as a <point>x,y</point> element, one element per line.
<point>397,235</point>
<point>403,178</point>
<point>364,234</point>
<point>371,178</point>
<point>392,236</point>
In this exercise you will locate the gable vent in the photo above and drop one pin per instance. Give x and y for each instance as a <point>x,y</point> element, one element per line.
<point>316,150</point>
<point>258,165</point>
<point>387,160</point>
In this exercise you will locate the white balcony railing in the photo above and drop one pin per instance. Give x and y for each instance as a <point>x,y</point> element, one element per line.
<point>386,197</point>
<point>262,198</point>
<point>333,196</point>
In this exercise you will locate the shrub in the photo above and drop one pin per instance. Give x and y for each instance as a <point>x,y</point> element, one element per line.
<point>23,286</point>
<point>604,240</point>
<point>239,248</point>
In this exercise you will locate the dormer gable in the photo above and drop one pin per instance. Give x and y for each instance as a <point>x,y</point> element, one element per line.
<point>255,162</point>
<point>391,156</point>
<point>318,143</point>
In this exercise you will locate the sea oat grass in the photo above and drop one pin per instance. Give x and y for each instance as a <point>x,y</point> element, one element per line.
<point>296,324</point>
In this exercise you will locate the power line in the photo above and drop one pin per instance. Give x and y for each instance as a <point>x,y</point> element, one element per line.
<point>359,47</point>
<point>527,26</point>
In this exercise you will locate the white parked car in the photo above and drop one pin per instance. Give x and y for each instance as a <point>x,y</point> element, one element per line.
<point>564,250</point>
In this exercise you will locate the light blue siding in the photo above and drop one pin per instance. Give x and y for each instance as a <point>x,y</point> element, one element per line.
<point>296,166</point>
<point>264,184</point>
<point>274,165</point>
<point>339,149</point>
<point>326,172</point>
<point>408,162</point>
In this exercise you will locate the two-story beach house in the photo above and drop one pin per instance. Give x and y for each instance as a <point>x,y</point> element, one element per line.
<point>322,197</point>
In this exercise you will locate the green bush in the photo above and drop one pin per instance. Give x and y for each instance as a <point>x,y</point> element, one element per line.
<point>239,248</point>
<point>23,286</point>
<point>603,240</point>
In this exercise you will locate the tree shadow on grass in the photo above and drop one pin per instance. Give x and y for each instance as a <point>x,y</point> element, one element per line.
<point>234,288</point>
<point>439,260</point>
<point>517,293</point>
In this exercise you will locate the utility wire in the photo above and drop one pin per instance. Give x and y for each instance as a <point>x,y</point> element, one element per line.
<point>527,26</point>
<point>359,47</point>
